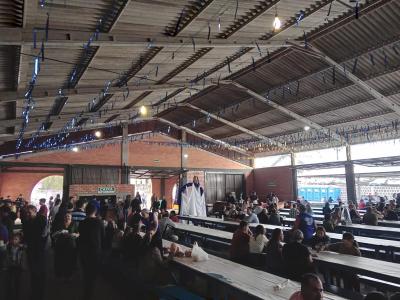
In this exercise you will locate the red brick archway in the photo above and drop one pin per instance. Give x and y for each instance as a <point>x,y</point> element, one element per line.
<point>22,181</point>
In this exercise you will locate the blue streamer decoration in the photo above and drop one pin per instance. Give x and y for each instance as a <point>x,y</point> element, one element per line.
<point>385,59</point>
<point>395,50</point>
<point>179,22</point>
<point>236,10</point>
<point>194,45</point>
<point>371,58</point>
<point>258,48</point>
<point>357,9</point>
<point>47,27</point>
<point>305,40</point>
<point>329,9</point>
<point>299,17</point>
<point>34,38</point>
<point>42,51</point>
<point>355,65</point>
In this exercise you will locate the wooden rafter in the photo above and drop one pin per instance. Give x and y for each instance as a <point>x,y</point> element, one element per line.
<point>251,15</point>
<point>187,16</point>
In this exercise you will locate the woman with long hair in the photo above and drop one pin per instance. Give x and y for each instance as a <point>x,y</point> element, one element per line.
<point>274,261</point>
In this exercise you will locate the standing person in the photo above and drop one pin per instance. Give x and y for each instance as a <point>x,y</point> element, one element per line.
<point>51,202</point>
<point>297,258</point>
<point>14,265</point>
<point>43,210</point>
<point>136,203</point>
<point>305,223</point>
<point>239,249</point>
<point>163,204</point>
<point>54,210</point>
<point>91,236</point>
<point>78,214</point>
<point>155,204</point>
<point>65,249</point>
<point>34,229</point>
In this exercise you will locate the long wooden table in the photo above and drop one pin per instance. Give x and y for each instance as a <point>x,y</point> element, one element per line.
<point>387,271</point>
<point>390,247</point>
<point>237,280</point>
<point>319,217</point>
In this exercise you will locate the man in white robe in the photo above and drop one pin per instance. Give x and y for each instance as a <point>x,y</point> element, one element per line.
<point>192,201</point>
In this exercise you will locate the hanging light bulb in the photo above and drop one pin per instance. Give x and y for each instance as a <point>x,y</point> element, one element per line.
<point>75,149</point>
<point>98,134</point>
<point>143,110</point>
<point>306,128</point>
<point>277,22</point>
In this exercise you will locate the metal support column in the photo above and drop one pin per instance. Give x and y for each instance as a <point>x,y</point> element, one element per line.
<point>66,182</point>
<point>294,176</point>
<point>350,178</point>
<point>124,145</point>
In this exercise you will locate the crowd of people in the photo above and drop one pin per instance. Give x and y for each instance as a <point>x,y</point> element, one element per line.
<point>85,235</point>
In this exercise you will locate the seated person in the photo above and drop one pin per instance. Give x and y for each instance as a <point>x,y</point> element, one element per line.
<point>354,214</point>
<point>326,210</point>
<point>263,216</point>
<point>293,211</point>
<point>320,239</point>
<point>305,223</point>
<point>274,259</point>
<point>328,224</point>
<point>347,246</point>
<point>274,218</point>
<point>370,217</point>
<point>239,249</point>
<point>165,225</point>
<point>336,215</point>
<point>173,216</point>
<point>230,211</point>
<point>311,288</point>
<point>390,214</point>
<point>297,258</point>
<point>376,296</point>
<point>258,241</point>
<point>251,217</point>
<point>350,247</point>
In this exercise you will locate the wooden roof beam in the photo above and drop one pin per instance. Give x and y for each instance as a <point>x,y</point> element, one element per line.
<point>206,137</point>
<point>75,39</point>
<point>233,125</point>
<point>43,93</point>
<point>362,84</point>
<point>288,112</point>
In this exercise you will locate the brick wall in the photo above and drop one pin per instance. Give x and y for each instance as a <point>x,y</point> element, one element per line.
<point>277,179</point>
<point>13,184</point>
<point>92,189</point>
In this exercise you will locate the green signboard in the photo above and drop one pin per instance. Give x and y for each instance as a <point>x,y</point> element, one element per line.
<point>106,190</point>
